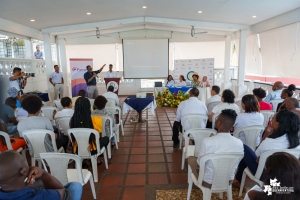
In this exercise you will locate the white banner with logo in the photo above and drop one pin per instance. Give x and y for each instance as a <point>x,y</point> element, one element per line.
<point>187,67</point>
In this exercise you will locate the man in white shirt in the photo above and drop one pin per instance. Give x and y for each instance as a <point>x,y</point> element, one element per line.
<point>223,142</point>
<point>111,95</point>
<point>215,97</point>
<point>57,80</point>
<point>67,111</point>
<point>191,106</point>
<point>110,73</point>
<point>17,81</point>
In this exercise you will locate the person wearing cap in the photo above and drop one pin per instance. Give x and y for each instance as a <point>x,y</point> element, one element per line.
<point>195,82</point>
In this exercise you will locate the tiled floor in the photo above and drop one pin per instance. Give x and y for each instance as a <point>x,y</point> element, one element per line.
<point>144,162</point>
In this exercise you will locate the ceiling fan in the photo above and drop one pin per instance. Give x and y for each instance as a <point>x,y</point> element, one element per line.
<point>193,32</point>
<point>98,33</point>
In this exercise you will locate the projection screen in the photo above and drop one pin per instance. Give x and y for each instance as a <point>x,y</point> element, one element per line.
<point>145,58</point>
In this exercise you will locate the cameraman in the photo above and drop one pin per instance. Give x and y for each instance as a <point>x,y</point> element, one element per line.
<point>18,80</point>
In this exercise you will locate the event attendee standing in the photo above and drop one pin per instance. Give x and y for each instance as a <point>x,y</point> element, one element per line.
<point>260,93</point>
<point>38,54</point>
<point>276,94</point>
<point>57,80</point>
<point>215,97</point>
<point>110,73</point>
<point>191,106</point>
<point>111,95</point>
<point>170,81</point>
<point>182,81</point>
<point>90,78</point>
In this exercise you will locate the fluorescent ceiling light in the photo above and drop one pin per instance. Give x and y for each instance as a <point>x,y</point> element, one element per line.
<point>144,7</point>
<point>88,13</point>
<point>254,16</point>
<point>199,11</point>
<point>32,20</point>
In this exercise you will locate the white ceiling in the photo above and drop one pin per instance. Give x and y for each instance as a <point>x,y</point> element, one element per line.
<point>53,13</point>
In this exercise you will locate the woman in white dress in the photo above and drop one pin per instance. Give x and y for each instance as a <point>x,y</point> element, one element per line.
<point>182,81</point>
<point>170,81</point>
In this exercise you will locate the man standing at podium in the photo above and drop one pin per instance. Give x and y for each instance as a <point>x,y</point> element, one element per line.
<point>110,73</point>
<point>90,78</point>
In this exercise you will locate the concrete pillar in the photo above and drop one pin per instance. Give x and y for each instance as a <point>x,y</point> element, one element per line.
<point>63,65</point>
<point>48,60</point>
<point>227,84</point>
<point>241,88</point>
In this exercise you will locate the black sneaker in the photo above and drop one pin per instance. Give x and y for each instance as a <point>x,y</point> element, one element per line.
<point>176,145</point>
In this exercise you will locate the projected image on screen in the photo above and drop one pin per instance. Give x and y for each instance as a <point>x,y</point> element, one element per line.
<point>146,58</point>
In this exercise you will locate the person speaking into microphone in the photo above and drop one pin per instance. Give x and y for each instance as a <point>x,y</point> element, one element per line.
<point>90,78</point>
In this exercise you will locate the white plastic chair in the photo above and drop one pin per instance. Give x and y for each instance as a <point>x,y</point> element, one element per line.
<point>58,104</point>
<point>198,134</point>
<point>82,136</point>
<point>239,104</point>
<point>110,102</point>
<point>211,105</point>
<point>63,122</point>
<point>262,160</point>
<point>58,165</point>
<point>191,121</point>
<point>8,144</point>
<point>267,114</point>
<point>214,117</point>
<point>112,132</point>
<point>251,134</point>
<point>275,103</point>
<point>117,110</point>
<point>223,167</point>
<point>91,102</point>
<point>20,118</point>
<point>48,112</point>
<point>36,138</point>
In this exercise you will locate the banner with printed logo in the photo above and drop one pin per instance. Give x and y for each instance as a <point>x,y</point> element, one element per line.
<point>78,68</point>
<point>187,67</point>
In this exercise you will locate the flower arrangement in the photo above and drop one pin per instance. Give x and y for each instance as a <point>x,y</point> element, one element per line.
<point>168,99</point>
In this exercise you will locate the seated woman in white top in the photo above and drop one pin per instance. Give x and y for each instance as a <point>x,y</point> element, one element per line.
<point>283,166</point>
<point>182,81</point>
<point>284,136</point>
<point>204,82</point>
<point>228,103</point>
<point>67,111</point>
<point>251,116</point>
<point>170,81</point>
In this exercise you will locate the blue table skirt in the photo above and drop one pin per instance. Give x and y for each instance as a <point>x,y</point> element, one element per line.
<point>138,104</point>
<point>176,89</point>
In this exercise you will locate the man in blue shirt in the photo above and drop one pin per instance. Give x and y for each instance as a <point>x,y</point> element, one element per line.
<point>90,78</point>
<point>276,94</point>
<point>38,54</point>
<point>15,175</point>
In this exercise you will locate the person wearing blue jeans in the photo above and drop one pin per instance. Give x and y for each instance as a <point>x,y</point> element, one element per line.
<point>75,188</point>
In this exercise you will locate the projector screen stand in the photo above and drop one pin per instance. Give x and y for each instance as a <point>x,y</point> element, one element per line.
<point>140,118</point>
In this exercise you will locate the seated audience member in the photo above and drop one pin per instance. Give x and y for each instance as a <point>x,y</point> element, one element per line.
<point>286,169</point>
<point>191,106</point>
<point>284,94</point>
<point>276,94</point>
<point>260,94</point>
<point>204,82</point>
<point>284,136</point>
<point>14,93</point>
<point>8,115</point>
<point>81,93</point>
<point>33,104</point>
<point>182,81</point>
<point>227,103</point>
<point>21,112</point>
<point>67,111</point>
<point>215,97</point>
<point>291,104</point>
<point>223,142</point>
<point>170,81</point>
<point>111,95</point>
<point>292,88</point>
<point>99,104</point>
<point>16,143</point>
<point>195,82</point>
<point>251,116</point>
<point>82,119</point>
<point>17,181</point>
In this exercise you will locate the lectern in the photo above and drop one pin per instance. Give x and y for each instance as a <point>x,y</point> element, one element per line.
<point>112,82</point>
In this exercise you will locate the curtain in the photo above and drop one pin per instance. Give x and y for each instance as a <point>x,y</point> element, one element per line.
<point>253,59</point>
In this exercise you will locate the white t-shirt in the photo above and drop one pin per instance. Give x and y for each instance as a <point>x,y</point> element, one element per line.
<point>214,98</point>
<point>56,77</point>
<point>111,95</point>
<point>170,83</point>
<point>110,74</point>
<point>34,122</point>
<point>14,83</point>
<point>248,119</point>
<point>68,112</point>
<point>180,84</point>
<point>256,188</point>
<point>222,106</point>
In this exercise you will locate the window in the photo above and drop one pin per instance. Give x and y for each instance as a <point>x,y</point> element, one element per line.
<point>19,48</point>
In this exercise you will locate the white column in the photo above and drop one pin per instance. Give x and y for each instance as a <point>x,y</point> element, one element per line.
<point>227,84</point>
<point>48,61</point>
<point>241,88</point>
<point>63,65</point>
